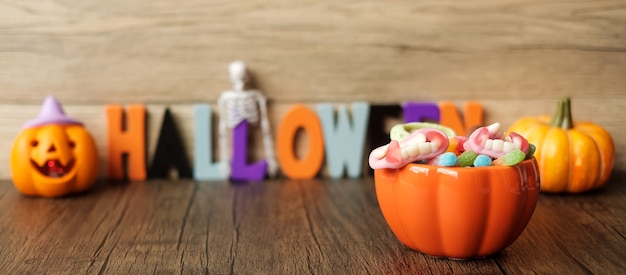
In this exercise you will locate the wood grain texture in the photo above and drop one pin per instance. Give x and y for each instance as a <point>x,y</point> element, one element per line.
<point>282,227</point>
<point>151,51</point>
<point>517,57</point>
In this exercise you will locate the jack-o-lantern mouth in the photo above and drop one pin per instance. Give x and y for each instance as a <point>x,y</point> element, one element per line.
<point>53,168</point>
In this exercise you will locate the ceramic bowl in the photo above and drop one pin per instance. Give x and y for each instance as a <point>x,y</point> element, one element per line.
<point>458,212</point>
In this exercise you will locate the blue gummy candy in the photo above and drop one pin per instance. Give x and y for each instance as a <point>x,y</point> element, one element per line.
<point>482,160</point>
<point>447,159</point>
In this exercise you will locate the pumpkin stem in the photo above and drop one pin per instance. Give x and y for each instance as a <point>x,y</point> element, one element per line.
<point>558,116</point>
<point>567,123</point>
<point>563,116</point>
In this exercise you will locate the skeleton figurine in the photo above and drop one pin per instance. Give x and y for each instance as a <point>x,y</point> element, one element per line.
<point>239,105</point>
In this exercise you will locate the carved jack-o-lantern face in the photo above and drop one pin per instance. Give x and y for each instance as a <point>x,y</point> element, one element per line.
<point>54,160</point>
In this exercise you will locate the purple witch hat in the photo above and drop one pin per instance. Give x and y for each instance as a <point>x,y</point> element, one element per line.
<point>51,113</point>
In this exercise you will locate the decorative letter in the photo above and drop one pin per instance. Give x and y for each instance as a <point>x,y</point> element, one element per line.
<point>299,116</point>
<point>420,112</point>
<point>240,168</point>
<point>376,130</point>
<point>170,151</point>
<point>450,116</point>
<point>129,140</point>
<point>203,168</point>
<point>344,142</point>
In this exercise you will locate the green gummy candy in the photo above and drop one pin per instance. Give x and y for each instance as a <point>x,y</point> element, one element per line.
<point>511,158</point>
<point>531,150</point>
<point>467,158</point>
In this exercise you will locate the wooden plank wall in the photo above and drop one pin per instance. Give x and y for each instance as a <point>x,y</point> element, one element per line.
<point>516,57</point>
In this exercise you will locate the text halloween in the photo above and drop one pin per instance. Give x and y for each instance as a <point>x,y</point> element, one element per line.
<point>340,142</point>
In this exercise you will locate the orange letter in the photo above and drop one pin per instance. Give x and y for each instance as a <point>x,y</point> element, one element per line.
<point>450,117</point>
<point>299,116</point>
<point>129,140</point>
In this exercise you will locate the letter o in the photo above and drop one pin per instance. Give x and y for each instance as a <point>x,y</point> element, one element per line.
<point>300,116</point>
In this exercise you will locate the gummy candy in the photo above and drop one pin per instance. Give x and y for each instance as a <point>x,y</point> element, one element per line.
<point>482,160</point>
<point>421,144</point>
<point>467,158</point>
<point>490,141</point>
<point>401,131</point>
<point>511,158</point>
<point>447,159</point>
<point>456,144</point>
<point>531,150</point>
<point>433,144</point>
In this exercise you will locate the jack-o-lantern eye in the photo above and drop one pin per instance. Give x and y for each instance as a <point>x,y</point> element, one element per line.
<point>34,143</point>
<point>72,144</point>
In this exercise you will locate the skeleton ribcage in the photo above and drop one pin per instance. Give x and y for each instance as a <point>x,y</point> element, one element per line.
<point>239,107</point>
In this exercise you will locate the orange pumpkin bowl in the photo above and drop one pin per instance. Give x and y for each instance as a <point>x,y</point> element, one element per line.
<point>458,212</point>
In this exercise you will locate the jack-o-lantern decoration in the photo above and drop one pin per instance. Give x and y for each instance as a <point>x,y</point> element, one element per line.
<point>53,155</point>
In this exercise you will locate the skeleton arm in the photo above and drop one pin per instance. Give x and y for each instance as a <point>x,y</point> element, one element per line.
<point>223,137</point>
<point>268,144</point>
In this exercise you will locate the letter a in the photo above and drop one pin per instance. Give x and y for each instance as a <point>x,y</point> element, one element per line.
<point>170,151</point>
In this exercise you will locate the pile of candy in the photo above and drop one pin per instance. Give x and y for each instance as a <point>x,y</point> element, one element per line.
<point>438,145</point>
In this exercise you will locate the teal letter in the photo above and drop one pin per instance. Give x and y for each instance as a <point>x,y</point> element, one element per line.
<point>203,168</point>
<point>344,142</point>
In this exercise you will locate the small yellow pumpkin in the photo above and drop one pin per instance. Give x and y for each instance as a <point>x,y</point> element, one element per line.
<point>573,156</point>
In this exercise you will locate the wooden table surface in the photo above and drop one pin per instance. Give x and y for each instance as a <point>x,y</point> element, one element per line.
<point>282,226</point>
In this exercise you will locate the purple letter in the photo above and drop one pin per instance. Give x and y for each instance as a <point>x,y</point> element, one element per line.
<point>240,170</point>
<point>420,112</point>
